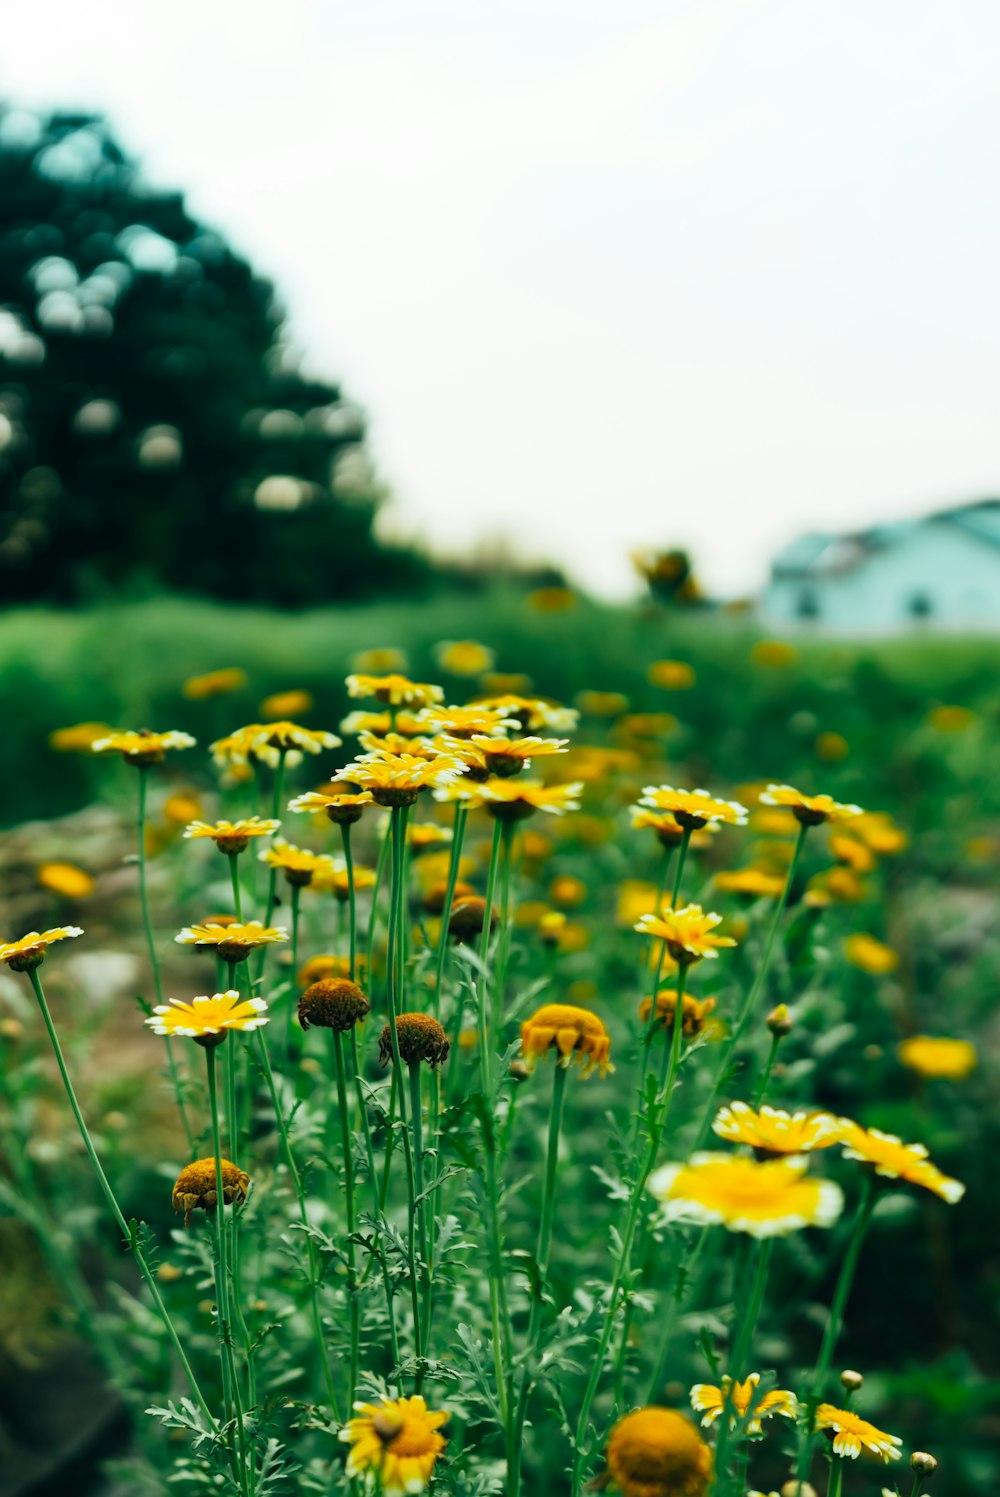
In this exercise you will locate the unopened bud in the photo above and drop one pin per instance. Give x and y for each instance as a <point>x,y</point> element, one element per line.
<point>923,1463</point>
<point>11,1029</point>
<point>852,1381</point>
<point>798,1489</point>
<point>779,1021</point>
<point>518,1071</point>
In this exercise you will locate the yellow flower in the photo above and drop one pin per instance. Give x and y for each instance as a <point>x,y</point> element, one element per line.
<point>514,800</point>
<point>656,1452</point>
<point>196,1187</point>
<point>953,1059</point>
<point>689,933</point>
<point>777,1132</point>
<point>380,722</point>
<point>753,883</point>
<point>765,1200</point>
<point>66,879</point>
<point>423,835</point>
<point>319,968</point>
<point>808,810</point>
<point>671,675</point>
<point>396,1441</point>
<point>567,890</point>
<point>397,780</point>
<point>29,951</point>
<point>285,704</point>
<point>695,1011</point>
<point>775,653</point>
<point>850,1433</point>
<point>282,735</point>
<point>79,738</point>
<point>181,807</point>
<point>552,599</point>
<point>208,1016</point>
<point>330,877</point>
<point>395,690</point>
<point>831,747</point>
<point>574,1033</point>
<point>380,661</point>
<point>879,832</point>
<point>142,747</point>
<point>214,684</point>
<point>233,942</point>
<point>852,853</point>
<point>601,703</point>
<point>951,719</point>
<point>297,863</point>
<point>232,836</point>
<point>464,657</point>
<point>693,809</point>
<point>710,1401</point>
<point>862,950</point>
<point>341,807</point>
<point>774,823</point>
<point>503,756</point>
<point>647,724</point>
<point>894,1160</point>
<point>532,713</point>
<point>463,722</point>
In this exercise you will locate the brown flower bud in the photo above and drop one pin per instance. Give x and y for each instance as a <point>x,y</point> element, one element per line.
<point>419,1038</point>
<point>333,1003</point>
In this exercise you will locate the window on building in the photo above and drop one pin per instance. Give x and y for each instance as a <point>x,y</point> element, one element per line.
<point>920,605</point>
<point>807,606</point>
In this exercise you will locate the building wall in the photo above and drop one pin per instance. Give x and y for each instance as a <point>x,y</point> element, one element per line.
<point>933,575</point>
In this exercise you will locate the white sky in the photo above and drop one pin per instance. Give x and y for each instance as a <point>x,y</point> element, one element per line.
<point>604,276</point>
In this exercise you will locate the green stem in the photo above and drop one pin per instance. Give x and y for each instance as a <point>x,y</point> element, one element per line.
<point>232,1126</point>
<point>485,1038</point>
<point>373,1186</point>
<point>116,1211</point>
<point>352,897</point>
<point>352,1268</point>
<point>760,1092</point>
<point>454,863</point>
<point>746,1313</point>
<point>681,860</point>
<point>294,983</point>
<point>175,1077</point>
<point>416,1119</point>
<point>272,873</point>
<point>383,855</point>
<point>684,1272</point>
<point>234,875</point>
<point>230,1381</point>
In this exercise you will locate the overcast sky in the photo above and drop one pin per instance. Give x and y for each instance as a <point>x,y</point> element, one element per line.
<point>604,276</point>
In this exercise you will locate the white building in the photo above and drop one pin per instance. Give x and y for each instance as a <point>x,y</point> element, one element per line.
<point>942,571</point>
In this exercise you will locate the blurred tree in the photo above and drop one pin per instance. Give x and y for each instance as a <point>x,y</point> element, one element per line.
<point>155,428</point>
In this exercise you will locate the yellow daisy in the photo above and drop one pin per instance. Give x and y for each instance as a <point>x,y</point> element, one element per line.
<point>689,933</point>
<point>930,1056</point>
<point>297,863</point>
<point>235,941</point>
<point>532,713</point>
<point>462,722</point>
<point>710,1401</point>
<point>667,828</point>
<point>208,1016</point>
<point>870,955</point>
<point>142,747</point>
<point>656,1452</point>
<point>504,756</point>
<point>851,1433</point>
<point>894,1160</point>
<point>395,690</point>
<point>395,1441</point>
<point>764,1200</point>
<point>331,878</point>
<point>284,735</point>
<point>29,951</point>
<point>752,883</point>
<point>342,807</point>
<point>464,657</point>
<point>232,836</point>
<point>695,1011</point>
<point>397,781</point>
<point>514,800</point>
<point>573,1033</point>
<point>777,1132</point>
<point>693,809</point>
<point>380,722</point>
<point>808,810</point>
<point>214,684</point>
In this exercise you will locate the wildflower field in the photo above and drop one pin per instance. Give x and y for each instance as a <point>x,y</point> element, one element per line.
<point>587,1028</point>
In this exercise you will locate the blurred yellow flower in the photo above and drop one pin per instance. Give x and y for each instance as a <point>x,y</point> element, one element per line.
<point>893,1159</point>
<point>667,828</point>
<point>395,690</point>
<point>872,956</point>
<point>208,1015</point>
<point>854,854</point>
<point>777,1132</point>
<point>66,879</point>
<point>214,684</point>
<point>774,653</point>
<point>395,1443</point>
<point>832,747</point>
<point>601,703</point>
<point>851,1432</point>
<point>536,846</point>
<point>552,599</point>
<point>938,1057</point>
<point>654,1452</point>
<point>330,877</point>
<point>79,738</point>
<point>635,899</point>
<point>142,747</point>
<point>694,1011</point>
<point>647,724</point>
<point>381,723</point>
<point>710,1402</point>
<point>285,704</point>
<point>773,822</point>
<point>764,1200</point>
<point>532,712</point>
<point>384,660</point>
<point>671,675</point>
<point>181,807</point>
<point>298,864</point>
<point>464,657</point>
<point>496,683</point>
<point>879,832</point>
<point>567,890</point>
<point>574,1033</point>
<point>951,719</point>
<point>751,883</point>
<point>320,968</point>
<point>514,800</point>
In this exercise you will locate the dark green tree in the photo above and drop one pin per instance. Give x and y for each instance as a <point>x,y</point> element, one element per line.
<point>155,428</point>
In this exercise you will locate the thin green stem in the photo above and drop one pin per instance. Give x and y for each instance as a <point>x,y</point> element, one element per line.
<point>454,863</point>
<point>373,1187</point>
<point>232,1127</point>
<point>666,1328</point>
<point>116,1211</point>
<point>416,1120</point>
<point>383,857</point>
<point>234,875</point>
<point>746,1313</point>
<point>347,1144</point>
<point>352,896</point>
<point>230,1381</point>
